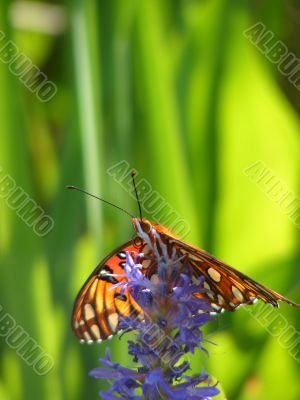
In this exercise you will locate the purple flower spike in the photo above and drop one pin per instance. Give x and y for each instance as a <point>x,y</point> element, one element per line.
<point>173,316</point>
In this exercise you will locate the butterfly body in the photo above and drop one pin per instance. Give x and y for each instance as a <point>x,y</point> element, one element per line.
<point>99,303</point>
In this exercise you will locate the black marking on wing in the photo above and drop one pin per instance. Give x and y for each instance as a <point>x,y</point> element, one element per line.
<point>120,296</point>
<point>103,275</point>
<point>122,255</point>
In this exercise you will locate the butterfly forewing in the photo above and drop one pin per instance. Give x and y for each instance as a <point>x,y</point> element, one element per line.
<point>98,305</point>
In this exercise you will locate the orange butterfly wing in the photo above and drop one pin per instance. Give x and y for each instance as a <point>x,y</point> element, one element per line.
<point>97,306</point>
<point>228,287</point>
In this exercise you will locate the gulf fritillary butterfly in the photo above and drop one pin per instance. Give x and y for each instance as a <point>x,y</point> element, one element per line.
<point>97,307</point>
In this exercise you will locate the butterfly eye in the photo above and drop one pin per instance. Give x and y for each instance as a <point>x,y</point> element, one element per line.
<point>146,226</point>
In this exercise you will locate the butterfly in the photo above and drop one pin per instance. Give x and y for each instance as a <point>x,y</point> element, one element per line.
<point>99,304</point>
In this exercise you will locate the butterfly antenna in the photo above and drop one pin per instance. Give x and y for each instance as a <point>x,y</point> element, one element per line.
<point>98,198</point>
<point>133,173</point>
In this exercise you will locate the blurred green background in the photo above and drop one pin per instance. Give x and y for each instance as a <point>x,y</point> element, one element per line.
<point>176,90</point>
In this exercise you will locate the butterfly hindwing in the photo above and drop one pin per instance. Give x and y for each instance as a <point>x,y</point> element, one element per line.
<point>227,287</point>
<point>98,306</point>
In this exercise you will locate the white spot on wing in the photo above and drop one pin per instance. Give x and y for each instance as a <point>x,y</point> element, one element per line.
<point>95,331</point>
<point>237,293</point>
<point>89,311</point>
<point>221,299</point>
<point>210,293</point>
<point>86,336</point>
<point>216,307</point>
<point>214,274</point>
<point>113,320</point>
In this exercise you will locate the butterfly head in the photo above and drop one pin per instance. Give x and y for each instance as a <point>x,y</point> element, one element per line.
<point>148,228</point>
<point>142,225</point>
